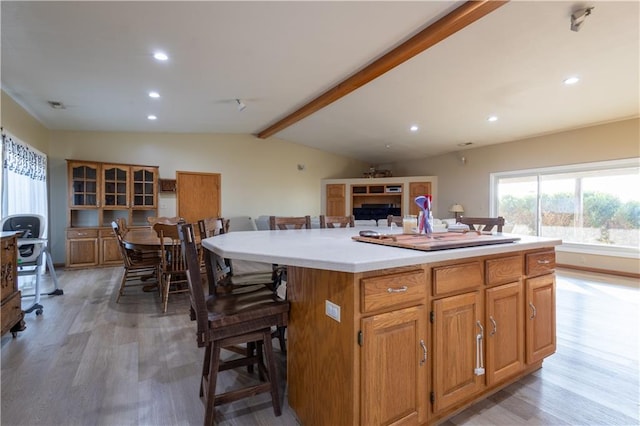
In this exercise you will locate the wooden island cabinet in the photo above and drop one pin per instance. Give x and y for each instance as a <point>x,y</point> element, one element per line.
<point>382,335</point>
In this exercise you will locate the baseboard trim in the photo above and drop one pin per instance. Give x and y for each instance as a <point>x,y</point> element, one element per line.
<point>599,271</point>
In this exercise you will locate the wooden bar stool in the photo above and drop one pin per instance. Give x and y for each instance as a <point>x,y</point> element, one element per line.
<point>227,320</point>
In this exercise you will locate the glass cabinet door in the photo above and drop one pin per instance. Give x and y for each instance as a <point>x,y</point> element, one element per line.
<point>83,189</point>
<point>115,190</point>
<point>144,187</point>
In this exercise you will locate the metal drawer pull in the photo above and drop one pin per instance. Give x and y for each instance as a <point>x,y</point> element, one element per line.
<point>398,290</point>
<point>495,326</point>
<point>533,311</point>
<point>424,352</point>
<point>544,262</point>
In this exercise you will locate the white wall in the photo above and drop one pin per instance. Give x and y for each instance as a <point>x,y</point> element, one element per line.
<point>22,125</point>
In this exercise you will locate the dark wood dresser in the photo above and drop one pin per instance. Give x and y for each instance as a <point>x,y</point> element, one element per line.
<point>11,307</point>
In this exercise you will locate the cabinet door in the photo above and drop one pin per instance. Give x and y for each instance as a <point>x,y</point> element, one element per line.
<point>456,322</point>
<point>82,247</point>
<point>8,265</point>
<point>394,368</point>
<point>541,317</point>
<point>198,195</point>
<point>415,189</point>
<point>336,199</point>
<point>144,187</point>
<point>109,250</point>
<point>84,184</point>
<point>115,186</point>
<point>504,331</point>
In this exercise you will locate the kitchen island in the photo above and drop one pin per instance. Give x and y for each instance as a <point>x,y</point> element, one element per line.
<point>386,335</point>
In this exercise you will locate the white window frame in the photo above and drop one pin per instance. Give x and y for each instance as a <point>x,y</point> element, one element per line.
<point>618,251</point>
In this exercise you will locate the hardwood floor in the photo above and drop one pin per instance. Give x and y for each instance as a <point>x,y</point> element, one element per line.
<point>90,361</point>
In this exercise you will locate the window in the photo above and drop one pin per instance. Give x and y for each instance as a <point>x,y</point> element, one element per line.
<point>594,205</point>
<point>24,178</point>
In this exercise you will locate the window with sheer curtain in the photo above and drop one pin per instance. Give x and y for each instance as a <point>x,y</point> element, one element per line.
<point>24,178</point>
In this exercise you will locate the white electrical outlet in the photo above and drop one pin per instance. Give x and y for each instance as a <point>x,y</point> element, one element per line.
<point>332,310</point>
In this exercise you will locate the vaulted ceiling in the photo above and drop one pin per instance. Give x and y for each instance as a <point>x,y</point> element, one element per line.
<point>96,59</point>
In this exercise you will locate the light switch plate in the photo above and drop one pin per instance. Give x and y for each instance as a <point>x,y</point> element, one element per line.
<point>332,310</point>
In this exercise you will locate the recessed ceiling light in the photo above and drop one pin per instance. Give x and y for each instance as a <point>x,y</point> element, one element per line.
<point>571,80</point>
<point>154,94</point>
<point>387,146</point>
<point>413,128</point>
<point>151,117</point>
<point>492,118</point>
<point>160,56</point>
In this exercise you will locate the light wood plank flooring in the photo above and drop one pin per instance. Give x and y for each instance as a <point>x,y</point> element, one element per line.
<point>90,361</point>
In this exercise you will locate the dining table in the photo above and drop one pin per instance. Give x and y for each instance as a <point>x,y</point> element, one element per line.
<point>146,238</point>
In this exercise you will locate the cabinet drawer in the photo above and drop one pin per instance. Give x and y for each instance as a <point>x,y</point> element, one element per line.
<point>393,290</point>
<point>8,249</point>
<point>82,233</point>
<point>539,263</point>
<point>457,278</point>
<point>11,312</point>
<point>106,233</point>
<point>503,270</point>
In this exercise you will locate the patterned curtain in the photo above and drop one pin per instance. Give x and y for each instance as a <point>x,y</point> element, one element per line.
<point>24,178</point>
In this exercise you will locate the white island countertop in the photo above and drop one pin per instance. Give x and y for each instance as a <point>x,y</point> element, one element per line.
<point>334,250</point>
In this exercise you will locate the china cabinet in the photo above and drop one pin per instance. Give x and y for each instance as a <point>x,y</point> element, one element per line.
<point>100,193</point>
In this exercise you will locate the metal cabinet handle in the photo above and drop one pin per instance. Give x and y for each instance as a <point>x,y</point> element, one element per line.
<point>424,352</point>
<point>544,262</point>
<point>398,290</point>
<point>533,311</point>
<point>495,326</point>
<point>479,370</point>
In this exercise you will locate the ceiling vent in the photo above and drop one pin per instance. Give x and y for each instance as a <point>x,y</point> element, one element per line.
<point>56,105</point>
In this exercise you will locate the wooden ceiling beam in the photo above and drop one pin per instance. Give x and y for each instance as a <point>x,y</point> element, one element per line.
<point>464,15</point>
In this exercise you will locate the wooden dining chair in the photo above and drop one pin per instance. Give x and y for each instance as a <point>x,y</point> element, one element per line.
<point>164,219</point>
<point>212,226</point>
<point>139,270</point>
<point>289,222</point>
<point>483,224</point>
<point>286,223</point>
<point>337,221</point>
<point>224,320</point>
<point>227,279</point>
<point>394,219</point>
<point>172,267</point>
<point>122,225</point>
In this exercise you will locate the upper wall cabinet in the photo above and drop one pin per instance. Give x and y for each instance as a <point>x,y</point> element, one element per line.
<point>144,187</point>
<point>83,184</point>
<point>115,186</point>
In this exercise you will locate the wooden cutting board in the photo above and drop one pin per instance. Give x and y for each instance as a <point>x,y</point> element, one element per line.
<point>438,241</point>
